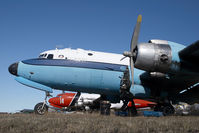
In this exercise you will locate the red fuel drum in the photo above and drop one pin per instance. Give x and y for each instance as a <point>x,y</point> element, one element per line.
<point>63,100</point>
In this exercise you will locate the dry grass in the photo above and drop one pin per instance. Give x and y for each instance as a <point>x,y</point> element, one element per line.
<point>95,123</point>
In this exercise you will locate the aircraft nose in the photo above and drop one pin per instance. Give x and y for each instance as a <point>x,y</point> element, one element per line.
<point>13,68</point>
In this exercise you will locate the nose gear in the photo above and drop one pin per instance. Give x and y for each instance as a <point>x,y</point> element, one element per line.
<point>42,108</point>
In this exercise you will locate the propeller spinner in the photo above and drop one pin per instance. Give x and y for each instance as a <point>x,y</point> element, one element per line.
<point>132,53</point>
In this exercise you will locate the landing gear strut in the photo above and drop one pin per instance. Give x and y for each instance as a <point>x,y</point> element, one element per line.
<point>42,108</point>
<point>126,96</point>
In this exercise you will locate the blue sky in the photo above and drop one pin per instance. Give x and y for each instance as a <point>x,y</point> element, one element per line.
<point>28,27</point>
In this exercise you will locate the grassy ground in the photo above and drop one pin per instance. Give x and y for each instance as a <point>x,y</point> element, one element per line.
<point>95,123</point>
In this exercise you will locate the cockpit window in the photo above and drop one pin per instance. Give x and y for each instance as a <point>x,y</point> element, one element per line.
<point>50,56</point>
<point>42,55</point>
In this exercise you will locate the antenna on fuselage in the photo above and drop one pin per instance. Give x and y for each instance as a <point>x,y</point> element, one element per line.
<point>59,46</point>
<point>69,46</point>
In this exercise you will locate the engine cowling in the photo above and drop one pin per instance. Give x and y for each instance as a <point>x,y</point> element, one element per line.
<point>154,56</point>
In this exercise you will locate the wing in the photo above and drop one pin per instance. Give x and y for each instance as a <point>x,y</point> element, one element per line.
<point>190,54</point>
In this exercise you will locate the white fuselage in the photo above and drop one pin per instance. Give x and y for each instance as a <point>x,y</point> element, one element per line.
<point>85,55</point>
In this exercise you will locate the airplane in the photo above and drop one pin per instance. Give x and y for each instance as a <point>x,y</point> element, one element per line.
<point>84,101</point>
<point>159,70</point>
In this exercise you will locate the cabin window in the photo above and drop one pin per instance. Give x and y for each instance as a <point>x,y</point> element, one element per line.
<point>61,56</point>
<point>50,56</point>
<point>90,54</point>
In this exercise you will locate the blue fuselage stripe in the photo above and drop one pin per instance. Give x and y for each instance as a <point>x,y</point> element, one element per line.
<point>72,63</point>
<point>73,78</point>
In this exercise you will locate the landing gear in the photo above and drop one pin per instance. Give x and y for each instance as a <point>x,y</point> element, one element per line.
<point>42,108</point>
<point>126,96</point>
<point>165,108</point>
<point>105,107</point>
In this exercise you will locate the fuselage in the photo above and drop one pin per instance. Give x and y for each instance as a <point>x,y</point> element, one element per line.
<point>77,70</point>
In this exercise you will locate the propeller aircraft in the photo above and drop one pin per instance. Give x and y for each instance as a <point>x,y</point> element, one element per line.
<point>159,70</point>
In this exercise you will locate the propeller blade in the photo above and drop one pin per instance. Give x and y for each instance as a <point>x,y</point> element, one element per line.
<point>132,70</point>
<point>122,58</point>
<point>136,32</point>
<point>134,42</point>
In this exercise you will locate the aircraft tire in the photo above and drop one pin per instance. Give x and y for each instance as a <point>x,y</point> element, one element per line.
<point>158,108</point>
<point>168,110</point>
<point>39,110</point>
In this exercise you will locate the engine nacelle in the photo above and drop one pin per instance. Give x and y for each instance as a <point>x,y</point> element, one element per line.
<point>153,57</point>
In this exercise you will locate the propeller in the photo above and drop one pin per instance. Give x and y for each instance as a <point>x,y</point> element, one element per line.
<point>132,53</point>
